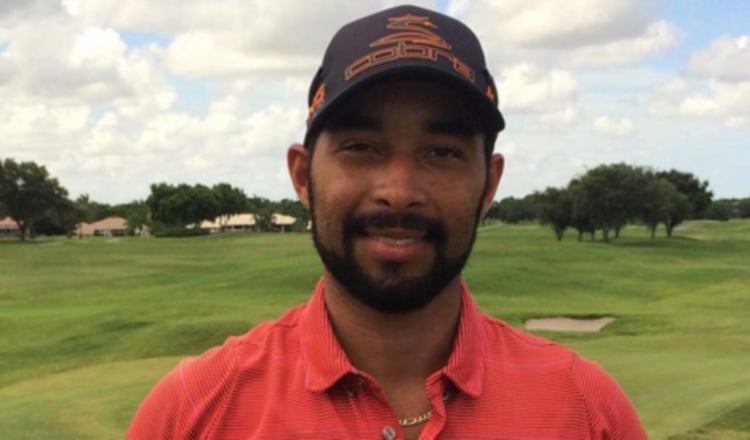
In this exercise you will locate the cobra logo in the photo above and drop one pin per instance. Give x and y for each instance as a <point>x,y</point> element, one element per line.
<point>414,38</point>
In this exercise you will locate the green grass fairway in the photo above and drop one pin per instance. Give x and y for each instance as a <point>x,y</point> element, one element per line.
<point>87,326</point>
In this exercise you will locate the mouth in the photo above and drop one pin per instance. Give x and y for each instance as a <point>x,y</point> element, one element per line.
<point>395,236</point>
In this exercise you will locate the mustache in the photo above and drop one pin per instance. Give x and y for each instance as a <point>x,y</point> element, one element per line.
<point>358,223</point>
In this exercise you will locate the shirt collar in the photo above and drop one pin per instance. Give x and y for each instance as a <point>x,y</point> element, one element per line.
<point>326,363</point>
<point>325,359</point>
<point>466,363</point>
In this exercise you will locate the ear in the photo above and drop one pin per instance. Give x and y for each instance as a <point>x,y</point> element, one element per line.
<point>298,163</point>
<point>495,172</point>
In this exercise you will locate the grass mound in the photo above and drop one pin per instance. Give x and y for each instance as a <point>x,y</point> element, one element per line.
<point>733,425</point>
<point>88,326</point>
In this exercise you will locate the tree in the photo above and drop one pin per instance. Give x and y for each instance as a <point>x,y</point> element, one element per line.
<point>159,202</point>
<point>135,213</point>
<point>263,209</point>
<point>719,210</point>
<point>580,218</point>
<point>230,201</point>
<point>92,210</point>
<point>658,197</point>
<point>264,218</point>
<point>256,202</point>
<point>743,208</point>
<point>609,195</point>
<point>680,209</point>
<point>203,205</point>
<point>296,209</point>
<point>513,210</point>
<point>697,193</point>
<point>178,206</point>
<point>60,219</point>
<point>555,209</point>
<point>27,192</point>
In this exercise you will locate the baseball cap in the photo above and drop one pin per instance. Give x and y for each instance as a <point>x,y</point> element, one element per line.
<point>404,42</point>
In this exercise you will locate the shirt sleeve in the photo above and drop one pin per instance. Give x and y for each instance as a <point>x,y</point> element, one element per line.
<point>165,411</point>
<point>183,404</point>
<point>611,414</point>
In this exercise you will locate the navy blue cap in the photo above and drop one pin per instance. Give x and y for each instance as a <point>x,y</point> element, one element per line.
<point>402,42</point>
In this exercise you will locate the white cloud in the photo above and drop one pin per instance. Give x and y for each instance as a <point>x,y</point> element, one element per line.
<point>725,100</point>
<point>525,87</point>
<point>198,163</point>
<point>97,48</point>
<point>14,11</point>
<point>560,120</point>
<point>614,127</point>
<point>231,37</point>
<point>207,54</point>
<point>555,24</point>
<point>736,122</point>
<point>725,59</point>
<point>673,86</point>
<point>660,107</point>
<point>576,33</point>
<point>712,99</point>
<point>108,163</point>
<point>70,63</point>
<point>256,26</point>
<point>108,119</point>
<point>658,37</point>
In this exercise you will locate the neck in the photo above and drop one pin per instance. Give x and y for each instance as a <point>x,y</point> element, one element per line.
<point>396,349</point>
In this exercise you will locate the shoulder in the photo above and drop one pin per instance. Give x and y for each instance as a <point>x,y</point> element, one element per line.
<point>552,373</point>
<point>513,346</point>
<point>611,413</point>
<point>220,366</point>
<point>186,399</point>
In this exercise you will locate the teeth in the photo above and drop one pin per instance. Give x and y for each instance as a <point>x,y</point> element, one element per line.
<point>396,241</point>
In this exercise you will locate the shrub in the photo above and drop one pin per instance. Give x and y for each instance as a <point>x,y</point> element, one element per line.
<point>180,232</point>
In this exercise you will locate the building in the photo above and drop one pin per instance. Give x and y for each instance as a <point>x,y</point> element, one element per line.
<point>8,227</point>
<point>232,223</point>
<point>108,227</point>
<point>281,222</point>
<point>247,222</point>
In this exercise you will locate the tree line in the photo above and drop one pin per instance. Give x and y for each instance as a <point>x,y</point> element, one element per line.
<point>609,197</point>
<point>41,206</point>
<point>604,199</point>
<point>177,206</point>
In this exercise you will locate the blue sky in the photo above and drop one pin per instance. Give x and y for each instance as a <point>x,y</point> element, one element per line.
<point>113,96</point>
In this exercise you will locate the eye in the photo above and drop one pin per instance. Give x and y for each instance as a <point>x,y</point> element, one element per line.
<point>445,152</point>
<point>357,147</point>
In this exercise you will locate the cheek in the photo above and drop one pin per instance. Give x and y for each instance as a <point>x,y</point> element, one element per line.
<point>460,217</point>
<point>331,204</point>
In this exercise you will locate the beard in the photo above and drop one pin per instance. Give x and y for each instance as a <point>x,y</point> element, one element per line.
<point>396,291</point>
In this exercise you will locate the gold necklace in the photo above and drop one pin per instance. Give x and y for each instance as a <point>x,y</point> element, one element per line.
<point>411,421</point>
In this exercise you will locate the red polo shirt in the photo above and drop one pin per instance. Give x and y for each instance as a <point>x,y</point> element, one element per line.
<point>290,379</point>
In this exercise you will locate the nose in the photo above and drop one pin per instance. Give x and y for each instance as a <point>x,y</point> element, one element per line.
<point>398,185</point>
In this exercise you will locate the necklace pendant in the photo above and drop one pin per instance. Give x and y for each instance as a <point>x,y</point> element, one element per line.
<point>412,421</point>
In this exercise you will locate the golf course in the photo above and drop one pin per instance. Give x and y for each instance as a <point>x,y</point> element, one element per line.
<point>87,326</point>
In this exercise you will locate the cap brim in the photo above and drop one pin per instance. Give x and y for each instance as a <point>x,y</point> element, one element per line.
<point>492,117</point>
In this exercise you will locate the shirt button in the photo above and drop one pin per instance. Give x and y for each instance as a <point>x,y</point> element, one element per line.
<point>388,433</point>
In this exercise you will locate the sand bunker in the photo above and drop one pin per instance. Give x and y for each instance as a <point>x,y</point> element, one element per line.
<point>562,324</point>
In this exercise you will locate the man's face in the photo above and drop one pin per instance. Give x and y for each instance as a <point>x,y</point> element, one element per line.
<point>397,183</point>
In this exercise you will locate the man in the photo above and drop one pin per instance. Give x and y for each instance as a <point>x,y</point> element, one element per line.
<point>397,169</point>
